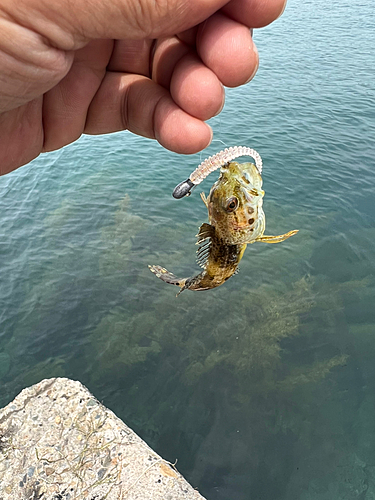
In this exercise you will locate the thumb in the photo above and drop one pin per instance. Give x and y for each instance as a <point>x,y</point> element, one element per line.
<point>70,25</point>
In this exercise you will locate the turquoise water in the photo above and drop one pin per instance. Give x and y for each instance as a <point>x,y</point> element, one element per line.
<point>264,388</point>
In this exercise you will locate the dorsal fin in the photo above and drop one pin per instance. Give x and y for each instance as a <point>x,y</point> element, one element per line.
<point>204,240</point>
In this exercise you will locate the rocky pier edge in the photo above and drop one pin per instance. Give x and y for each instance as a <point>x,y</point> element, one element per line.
<point>57,442</point>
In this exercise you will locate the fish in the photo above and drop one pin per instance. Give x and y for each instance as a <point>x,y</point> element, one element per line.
<point>236,219</point>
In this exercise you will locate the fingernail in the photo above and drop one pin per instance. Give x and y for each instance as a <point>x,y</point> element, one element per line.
<point>283,9</point>
<point>222,104</point>
<point>257,64</point>
<point>212,134</point>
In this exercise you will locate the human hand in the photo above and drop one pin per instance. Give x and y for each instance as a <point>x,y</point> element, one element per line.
<point>156,68</point>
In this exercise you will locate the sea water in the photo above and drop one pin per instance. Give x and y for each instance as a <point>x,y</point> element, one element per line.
<point>263,389</point>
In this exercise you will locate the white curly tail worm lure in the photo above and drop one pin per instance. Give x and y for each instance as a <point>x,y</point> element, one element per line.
<point>213,163</point>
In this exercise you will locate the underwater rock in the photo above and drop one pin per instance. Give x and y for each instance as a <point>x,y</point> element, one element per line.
<point>58,441</point>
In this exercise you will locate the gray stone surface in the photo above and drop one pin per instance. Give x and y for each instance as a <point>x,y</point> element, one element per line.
<point>57,442</point>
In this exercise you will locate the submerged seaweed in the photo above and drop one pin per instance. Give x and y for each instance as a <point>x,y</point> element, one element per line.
<point>245,367</point>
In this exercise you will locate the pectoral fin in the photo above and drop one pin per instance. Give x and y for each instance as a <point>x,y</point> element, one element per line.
<point>277,239</point>
<point>204,239</point>
<point>205,231</point>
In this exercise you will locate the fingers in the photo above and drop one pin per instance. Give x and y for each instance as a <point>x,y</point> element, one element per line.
<point>226,47</point>
<point>136,103</point>
<point>66,105</point>
<point>168,52</point>
<point>193,86</point>
<point>132,56</point>
<point>69,25</point>
<point>186,90</point>
<point>87,100</point>
<point>254,13</point>
<point>91,100</point>
<point>196,89</point>
<point>21,133</point>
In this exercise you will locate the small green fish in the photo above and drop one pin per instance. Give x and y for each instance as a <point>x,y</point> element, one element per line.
<point>236,219</point>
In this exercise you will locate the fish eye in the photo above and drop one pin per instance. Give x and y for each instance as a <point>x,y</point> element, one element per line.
<point>232,204</point>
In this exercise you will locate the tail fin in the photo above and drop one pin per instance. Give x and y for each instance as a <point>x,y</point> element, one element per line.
<point>168,277</point>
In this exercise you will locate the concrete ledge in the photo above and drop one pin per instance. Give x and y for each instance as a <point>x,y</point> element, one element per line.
<point>57,442</point>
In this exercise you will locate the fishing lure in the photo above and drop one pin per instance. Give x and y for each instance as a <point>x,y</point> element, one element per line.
<point>211,164</point>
